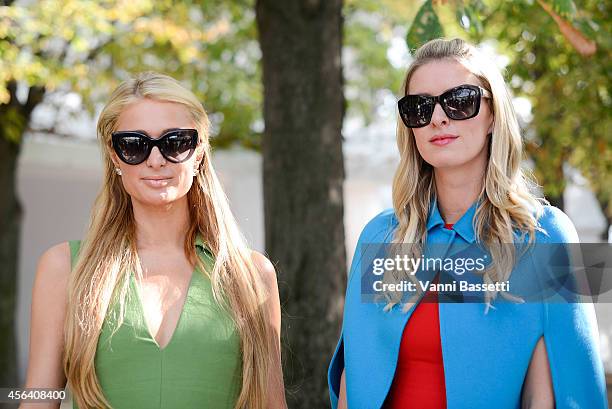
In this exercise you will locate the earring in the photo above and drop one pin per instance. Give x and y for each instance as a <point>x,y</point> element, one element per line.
<point>195,172</point>
<point>118,171</point>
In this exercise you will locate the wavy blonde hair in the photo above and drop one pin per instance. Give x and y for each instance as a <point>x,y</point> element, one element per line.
<point>108,255</point>
<point>505,203</point>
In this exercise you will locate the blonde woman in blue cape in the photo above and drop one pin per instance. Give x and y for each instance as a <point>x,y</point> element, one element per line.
<point>460,183</point>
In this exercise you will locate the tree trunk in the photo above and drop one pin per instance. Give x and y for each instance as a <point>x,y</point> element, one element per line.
<point>10,221</point>
<point>303,180</point>
<point>14,119</point>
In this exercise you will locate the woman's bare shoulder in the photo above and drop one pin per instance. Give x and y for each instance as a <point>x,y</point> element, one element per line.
<point>265,267</point>
<point>54,267</point>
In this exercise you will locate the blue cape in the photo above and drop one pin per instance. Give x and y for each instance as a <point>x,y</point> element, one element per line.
<point>485,356</point>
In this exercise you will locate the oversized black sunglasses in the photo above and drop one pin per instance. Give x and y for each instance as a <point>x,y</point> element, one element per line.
<point>134,147</point>
<point>459,103</point>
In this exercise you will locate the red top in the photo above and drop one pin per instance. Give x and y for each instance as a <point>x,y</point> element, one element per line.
<point>419,376</point>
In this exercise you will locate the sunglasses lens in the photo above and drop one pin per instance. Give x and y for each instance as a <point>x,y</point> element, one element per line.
<point>415,110</point>
<point>462,103</point>
<point>131,148</point>
<point>179,145</point>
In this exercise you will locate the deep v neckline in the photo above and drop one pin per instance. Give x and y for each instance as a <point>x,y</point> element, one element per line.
<point>144,318</point>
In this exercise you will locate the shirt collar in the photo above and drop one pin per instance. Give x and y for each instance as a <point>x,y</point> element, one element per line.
<point>464,226</point>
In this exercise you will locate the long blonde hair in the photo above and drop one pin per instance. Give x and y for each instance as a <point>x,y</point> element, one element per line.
<point>108,255</point>
<point>505,201</point>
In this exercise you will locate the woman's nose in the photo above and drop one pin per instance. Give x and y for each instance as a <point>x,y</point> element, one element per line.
<point>156,159</point>
<point>439,116</point>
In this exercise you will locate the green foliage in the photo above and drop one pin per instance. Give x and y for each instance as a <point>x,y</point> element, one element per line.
<point>369,30</point>
<point>470,16</point>
<point>570,93</point>
<point>565,8</point>
<point>89,47</point>
<point>426,26</point>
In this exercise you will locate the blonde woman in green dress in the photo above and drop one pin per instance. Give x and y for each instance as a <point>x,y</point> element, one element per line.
<point>161,305</point>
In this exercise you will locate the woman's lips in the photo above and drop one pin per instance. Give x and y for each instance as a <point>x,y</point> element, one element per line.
<point>156,182</point>
<point>441,140</point>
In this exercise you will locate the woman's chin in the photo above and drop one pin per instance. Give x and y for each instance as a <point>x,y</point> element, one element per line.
<point>442,163</point>
<point>162,197</point>
<point>451,160</point>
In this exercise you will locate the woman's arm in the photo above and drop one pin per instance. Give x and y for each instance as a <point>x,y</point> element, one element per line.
<point>276,388</point>
<point>49,298</point>
<point>342,397</point>
<point>538,390</point>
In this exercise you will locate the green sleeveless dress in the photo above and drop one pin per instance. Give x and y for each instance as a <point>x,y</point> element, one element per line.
<point>199,368</point>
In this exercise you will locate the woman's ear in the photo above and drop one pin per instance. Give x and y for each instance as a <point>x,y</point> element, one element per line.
<point>491,126</point>
<point>114,158</point>
<point>199,155</point>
